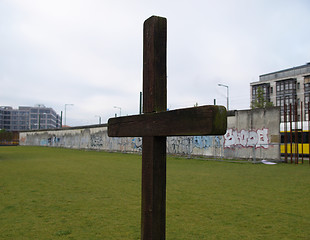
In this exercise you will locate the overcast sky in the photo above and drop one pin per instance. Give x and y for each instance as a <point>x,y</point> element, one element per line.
<point>89,53</point>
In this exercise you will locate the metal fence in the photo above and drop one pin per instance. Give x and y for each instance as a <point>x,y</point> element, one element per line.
<point>9,138</point>
<point>295,134</point>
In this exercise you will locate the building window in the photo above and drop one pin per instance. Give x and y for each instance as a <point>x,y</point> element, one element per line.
<point>265,89</point>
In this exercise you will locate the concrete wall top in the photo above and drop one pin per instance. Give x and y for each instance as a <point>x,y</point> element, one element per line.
<point>68,128</point>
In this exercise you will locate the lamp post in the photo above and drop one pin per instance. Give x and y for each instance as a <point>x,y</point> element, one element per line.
<point>99,118</point>
<point>40,119</point>
<point>222,85</point>
<point>120,110</point>
<point>67,104</point>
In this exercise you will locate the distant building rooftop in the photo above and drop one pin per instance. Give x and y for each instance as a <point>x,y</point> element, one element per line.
<point>27,118</point>
<point>286,73</point>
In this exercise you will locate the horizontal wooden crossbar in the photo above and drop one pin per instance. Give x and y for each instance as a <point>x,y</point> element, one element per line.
<point>196,121</point>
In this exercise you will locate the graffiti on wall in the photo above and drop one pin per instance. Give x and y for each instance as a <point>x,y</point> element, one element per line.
<point>96,140</point>
<point>43,142</point>
<point>253,138</point>
<point>207,141</point>
<point>184,145</point>
<point>51,141</point>
<point>137,143</point>
<point>234,143</point>
<point>180,145</point>
<point>187,145</point>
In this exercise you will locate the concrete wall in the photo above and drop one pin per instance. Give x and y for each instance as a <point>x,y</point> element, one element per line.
<point>251,134</point>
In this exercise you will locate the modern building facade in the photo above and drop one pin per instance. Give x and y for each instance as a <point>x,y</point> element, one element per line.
<point>28,118</point>
<point>285,87</point>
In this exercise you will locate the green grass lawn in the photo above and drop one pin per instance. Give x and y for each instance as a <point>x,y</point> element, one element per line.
<point>52,193</point>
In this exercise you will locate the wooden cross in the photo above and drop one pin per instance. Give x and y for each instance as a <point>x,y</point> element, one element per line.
<point>156,124</point>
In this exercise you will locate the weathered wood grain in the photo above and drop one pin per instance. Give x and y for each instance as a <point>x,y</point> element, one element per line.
<point>156,124</point>
<point>196,121</point>
<point>153,212</point>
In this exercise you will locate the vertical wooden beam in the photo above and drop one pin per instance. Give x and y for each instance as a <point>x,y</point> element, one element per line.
<point>154,65</point>
<point>153,215</point>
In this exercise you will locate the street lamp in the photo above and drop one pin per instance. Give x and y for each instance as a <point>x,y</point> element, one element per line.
<point>40,119</point>
<point>120,110</point>
<point>67,104</point>
<point>99,118</point>
<point>222,85</point>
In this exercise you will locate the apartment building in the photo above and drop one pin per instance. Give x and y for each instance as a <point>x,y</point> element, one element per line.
<point>28,118</point>
<point>285,87</point>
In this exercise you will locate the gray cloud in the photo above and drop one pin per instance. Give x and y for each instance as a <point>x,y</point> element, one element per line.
<point>90,52</point>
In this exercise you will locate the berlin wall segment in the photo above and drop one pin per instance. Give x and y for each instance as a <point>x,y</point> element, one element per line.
<point>241,137</point>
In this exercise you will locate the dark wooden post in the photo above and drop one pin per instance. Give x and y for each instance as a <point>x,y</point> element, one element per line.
<point>154,148</point>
